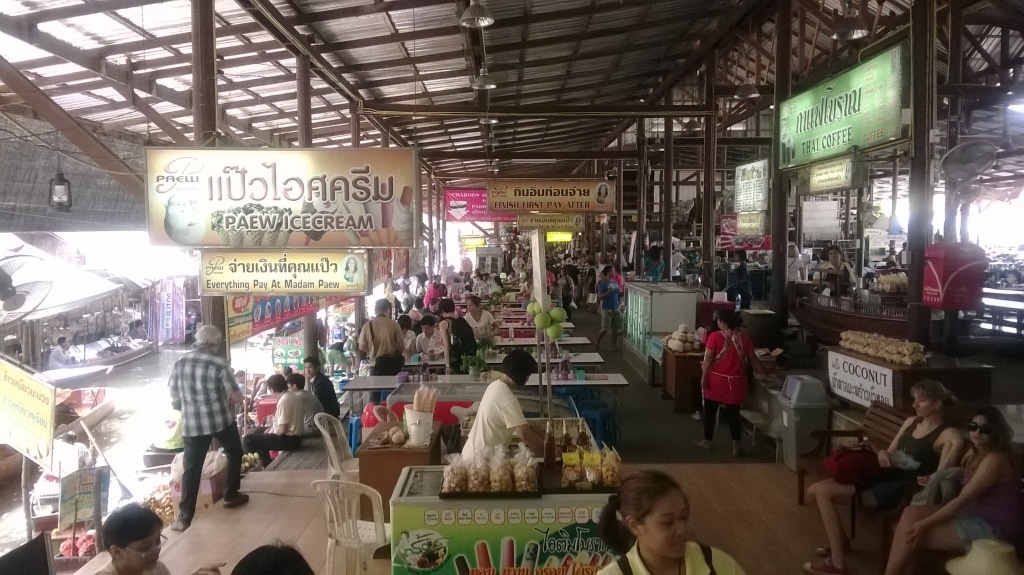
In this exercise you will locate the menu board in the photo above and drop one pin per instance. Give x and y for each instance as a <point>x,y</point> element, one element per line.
<point>752,187</point>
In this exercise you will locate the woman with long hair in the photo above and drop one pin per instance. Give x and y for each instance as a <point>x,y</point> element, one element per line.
<point>653,264</point>
<point>647,521</point>
<point>924,438</point>
<point>988,506</point>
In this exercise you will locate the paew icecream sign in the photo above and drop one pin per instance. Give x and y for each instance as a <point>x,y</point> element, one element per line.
<point>274,198</point>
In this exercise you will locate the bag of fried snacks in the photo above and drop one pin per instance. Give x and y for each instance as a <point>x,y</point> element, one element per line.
<point>524,471</point>
<point>501,472</point>
<point>592,467</point>
<point>456,476</point>
<point>572,468</point>
<point>479,474</point>
<point>611,467</point>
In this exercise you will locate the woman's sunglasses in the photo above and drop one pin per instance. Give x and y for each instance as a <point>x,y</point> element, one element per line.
<point>982,428</point>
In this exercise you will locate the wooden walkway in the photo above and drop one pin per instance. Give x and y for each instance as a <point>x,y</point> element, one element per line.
<point>748,510</point>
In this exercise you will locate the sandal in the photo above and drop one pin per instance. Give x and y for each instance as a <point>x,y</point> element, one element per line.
<point>703,443</point>
<point>824,567</point>
<point>825,551</point>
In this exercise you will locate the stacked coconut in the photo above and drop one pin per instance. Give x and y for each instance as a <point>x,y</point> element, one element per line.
<point>683,340</point>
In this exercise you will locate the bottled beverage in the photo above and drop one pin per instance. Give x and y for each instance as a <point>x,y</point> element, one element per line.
<point>566,443</point>
<point>550,460</point>
<point>582,439</point>
<point>739,302</point>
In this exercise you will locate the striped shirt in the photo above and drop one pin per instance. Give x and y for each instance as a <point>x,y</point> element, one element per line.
<point>201,384</point>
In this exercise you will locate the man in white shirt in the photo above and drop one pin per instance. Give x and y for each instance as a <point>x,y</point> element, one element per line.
<point>518,265</point>
<point>677,264</point>
<point>286,433</point>
<point>310,404</point>
<point>499,415</point>
<point>430,340</point>
<point>59,357</point>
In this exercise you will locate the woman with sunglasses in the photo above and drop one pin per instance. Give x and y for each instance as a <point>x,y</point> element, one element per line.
<point>133,537</point>
<point>988,506</point>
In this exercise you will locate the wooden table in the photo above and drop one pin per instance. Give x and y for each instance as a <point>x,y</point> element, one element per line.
<point>681,379</point>
<point>380,465</point>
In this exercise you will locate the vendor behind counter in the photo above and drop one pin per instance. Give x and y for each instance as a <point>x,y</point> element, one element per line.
<point>500,416</point>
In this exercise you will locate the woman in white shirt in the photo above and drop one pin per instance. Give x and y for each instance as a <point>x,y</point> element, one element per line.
<point>481,320</point>
<point>795,270</point>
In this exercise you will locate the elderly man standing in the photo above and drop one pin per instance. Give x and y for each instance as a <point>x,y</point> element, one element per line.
<point>203,388</point>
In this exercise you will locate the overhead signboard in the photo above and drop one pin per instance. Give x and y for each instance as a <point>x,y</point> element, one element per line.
<point>249,315</point>
<point>26,413</point>
<point>569,222</point>
<point>861,107</point>
<point>559,196</point>
<point>558,237</point>
<point>750,223</point>
<point>751,184</point>
<point>841,174</point>
<point>295,272</point>
<point>464,205</point>
<point>337,198</point>
<point>472,242</point>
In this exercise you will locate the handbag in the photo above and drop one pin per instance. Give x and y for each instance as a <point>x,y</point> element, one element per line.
<point>852,466</point>
<point>591,298</point>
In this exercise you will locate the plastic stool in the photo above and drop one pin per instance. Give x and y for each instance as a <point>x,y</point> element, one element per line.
<point>601,421</point>
<point>355,425</point>
<point>578,394</point>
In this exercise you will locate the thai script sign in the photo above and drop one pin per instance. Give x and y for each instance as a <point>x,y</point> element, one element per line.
<point>463,205</point>
<point>26,413</point>
<point>842,174</point>
<point>751,181</point>
<point>750,223</point>
<point>297,272</point>
<point>275,198</point>
<point>81,492</point>
<point>862,107</point>
<point>550,196</point>
<point>859,381</point>
<point>564,222</point>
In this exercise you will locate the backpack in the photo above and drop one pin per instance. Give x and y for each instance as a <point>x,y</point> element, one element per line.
<point>463,341</point>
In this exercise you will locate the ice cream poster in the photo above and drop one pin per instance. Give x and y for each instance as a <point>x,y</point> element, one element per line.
<point>331,198</point>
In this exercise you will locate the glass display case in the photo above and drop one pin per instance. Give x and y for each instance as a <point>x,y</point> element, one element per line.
<point>674,305</point>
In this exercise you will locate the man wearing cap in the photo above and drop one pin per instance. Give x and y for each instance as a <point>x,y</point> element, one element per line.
<point>203,387</point>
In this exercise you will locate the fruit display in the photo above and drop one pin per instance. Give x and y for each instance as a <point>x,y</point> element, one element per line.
<point>889,349</point>
<point>683,340</point>
<point>250,462</point>
<point>159,502</point>
<point>891,283</point>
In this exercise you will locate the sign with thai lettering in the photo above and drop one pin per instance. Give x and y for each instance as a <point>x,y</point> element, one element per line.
<point>297,272</point>
<point>862,107</point>
<point>464,205</point>
<point>79,492</point>
<point>841,174</point>
<point>550,196</point>
<point>215,198</point>
<point>26,412</point>
<point>859,381</point>
<point>558,237</point>
<point>751,185</point>
<point>566,222</point>
<point>288,352</point>
<point>750,223</point>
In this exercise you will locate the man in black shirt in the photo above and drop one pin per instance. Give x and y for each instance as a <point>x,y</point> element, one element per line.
<point>321,386</point>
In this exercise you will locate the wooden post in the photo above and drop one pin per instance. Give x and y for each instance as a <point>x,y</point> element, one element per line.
<point>780,183</point>
<point>668,195</point>
<point>708,176</point>
<point>26,492</point>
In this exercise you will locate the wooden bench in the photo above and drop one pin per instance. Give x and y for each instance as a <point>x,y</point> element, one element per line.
<point>1002,311</point>
<point>879,427</point>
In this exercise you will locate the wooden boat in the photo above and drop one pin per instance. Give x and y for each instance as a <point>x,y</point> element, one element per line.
<point>79,377</point>
<point>826,317</point>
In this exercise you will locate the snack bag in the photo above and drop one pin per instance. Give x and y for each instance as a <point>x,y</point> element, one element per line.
<point>572,469</point>
<point>501,472</point>
<point>479,475</point>
<point>592,467</point>
<point>611,468</point>
<point>524,472</point>
<point>456,476</point>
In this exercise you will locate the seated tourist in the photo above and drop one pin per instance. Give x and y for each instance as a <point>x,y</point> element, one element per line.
<point>132,534</point>
<point>405,322</point>
<point>430,340</point>
<point>279,559</point>
<point>289,418</point>
<point>988,506</point>
<point>310,404</point>
<point>647,521</point>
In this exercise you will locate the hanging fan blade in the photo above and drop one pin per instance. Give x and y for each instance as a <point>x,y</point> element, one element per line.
<point>967,160</point>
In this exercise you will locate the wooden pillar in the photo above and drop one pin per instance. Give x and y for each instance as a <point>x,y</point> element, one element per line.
<point>919,229</point>
<point>620,231</point>
<point>641,192</point>
<point>708,176</point>
<point>780,182</point>
<point>668,195</point>
<point>304,118</point>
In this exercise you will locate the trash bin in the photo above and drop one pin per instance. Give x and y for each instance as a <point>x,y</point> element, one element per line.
<point>804,405</point>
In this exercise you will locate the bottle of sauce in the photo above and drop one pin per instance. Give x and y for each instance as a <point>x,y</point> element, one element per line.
<point>581,436</point>
<point>566,443</point>
<point>550,456</point>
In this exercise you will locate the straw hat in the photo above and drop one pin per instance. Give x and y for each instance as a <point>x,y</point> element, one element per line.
<point>987,556</point>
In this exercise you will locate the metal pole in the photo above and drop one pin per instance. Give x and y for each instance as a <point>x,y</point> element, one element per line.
<point>955,76</point>
<point>641,193</point>
<point>668,193</point>
<point>922,34</point>
<point>780,183</point>
<point>619,219</point>
<point>708,200</point>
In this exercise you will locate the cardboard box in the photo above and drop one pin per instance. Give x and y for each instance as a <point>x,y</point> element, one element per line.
<point>210,492</point>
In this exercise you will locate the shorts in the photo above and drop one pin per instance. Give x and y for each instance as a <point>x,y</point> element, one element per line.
<point>888,493</point>
<point>611,318</point>
<point>970,528</point>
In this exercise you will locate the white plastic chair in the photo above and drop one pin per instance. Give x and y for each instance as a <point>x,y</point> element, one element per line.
<point>340,501</point>
<point>342,464</point>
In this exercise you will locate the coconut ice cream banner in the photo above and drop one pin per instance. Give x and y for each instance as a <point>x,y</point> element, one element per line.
<point>334,198</point>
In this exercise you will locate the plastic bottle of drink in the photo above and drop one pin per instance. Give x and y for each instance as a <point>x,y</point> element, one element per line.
<point>550,454</point>
<point>739,302</point>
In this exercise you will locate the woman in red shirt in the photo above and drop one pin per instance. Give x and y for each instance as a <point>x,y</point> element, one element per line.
<point>727,358</point>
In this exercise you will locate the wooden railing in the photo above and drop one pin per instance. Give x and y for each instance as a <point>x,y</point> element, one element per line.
<point>857,307</point>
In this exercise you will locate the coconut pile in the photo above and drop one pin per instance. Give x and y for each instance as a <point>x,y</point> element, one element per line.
<point>683,340</point>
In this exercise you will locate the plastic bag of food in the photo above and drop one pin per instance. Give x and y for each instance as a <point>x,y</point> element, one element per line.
<point>456,476</point>
<point>611,467</point>
<point>524,471</point>
<point>572,468</point>
<point>479,474</point>
<point>501,472</point>
<point>592,471</point>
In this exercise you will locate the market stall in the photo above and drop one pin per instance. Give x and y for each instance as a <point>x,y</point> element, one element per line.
<point>655,307</point>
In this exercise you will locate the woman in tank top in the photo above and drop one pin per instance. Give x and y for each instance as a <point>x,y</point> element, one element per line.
<point>924,439</point>
<point>988,507</point>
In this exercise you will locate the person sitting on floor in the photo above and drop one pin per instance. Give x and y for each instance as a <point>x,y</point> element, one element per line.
<point>286,434</point>
<point>133,537</point>
<point>310,404</point>
<point>277,559</point>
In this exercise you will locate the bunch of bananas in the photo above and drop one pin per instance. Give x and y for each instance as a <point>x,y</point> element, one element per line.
<point>250,461</point>
<point>159,502</point>
<point>886,348</point>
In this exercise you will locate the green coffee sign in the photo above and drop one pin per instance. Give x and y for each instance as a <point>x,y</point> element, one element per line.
<point>862,107</point>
